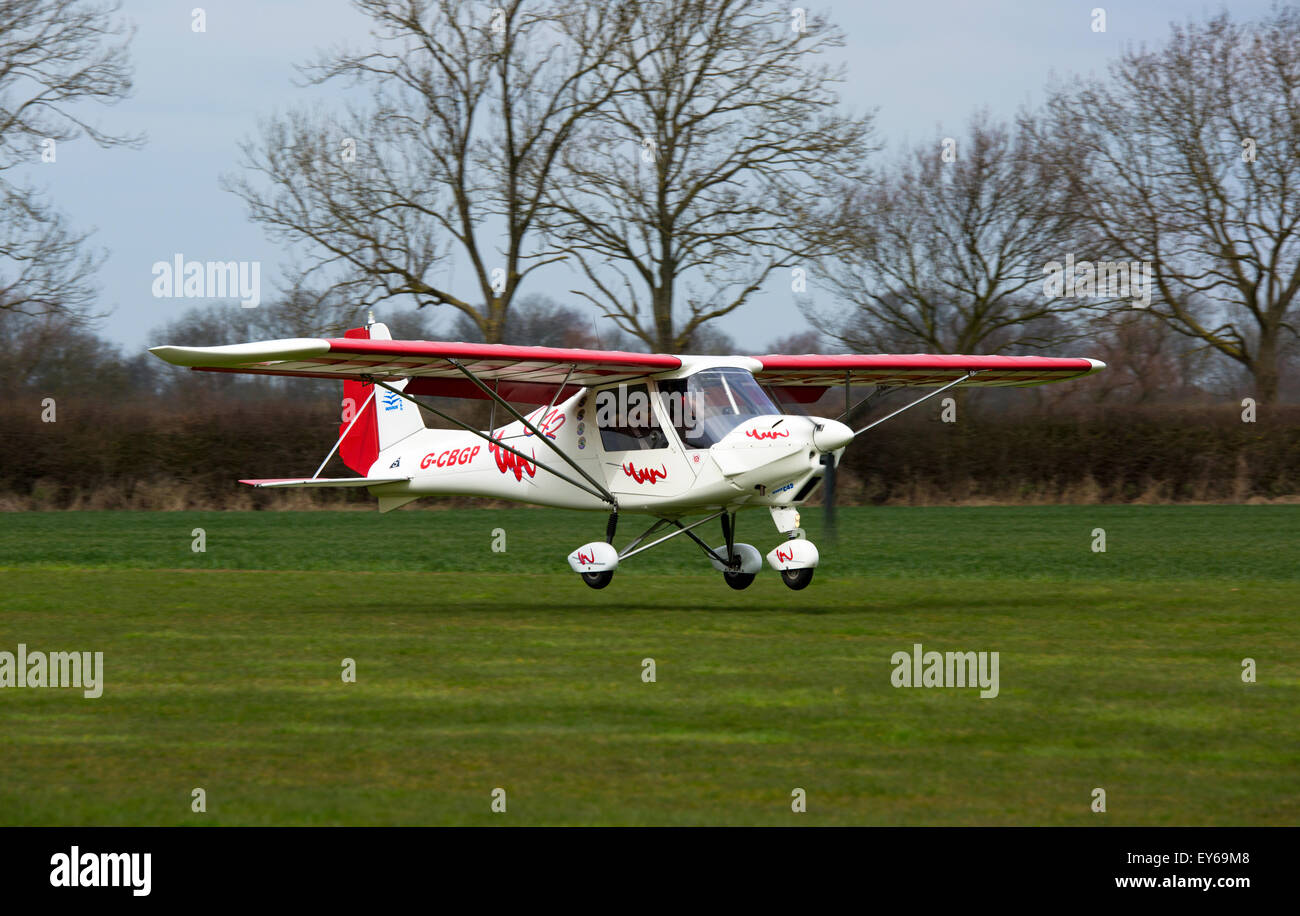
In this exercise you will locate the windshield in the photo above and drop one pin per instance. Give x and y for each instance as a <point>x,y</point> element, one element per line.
<point>706,406</point>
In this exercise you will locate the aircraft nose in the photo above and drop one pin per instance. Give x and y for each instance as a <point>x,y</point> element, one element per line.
<point>831,435</point>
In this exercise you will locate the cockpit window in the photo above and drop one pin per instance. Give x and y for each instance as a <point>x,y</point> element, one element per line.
<point>627,421</point>
<point>706,406</point>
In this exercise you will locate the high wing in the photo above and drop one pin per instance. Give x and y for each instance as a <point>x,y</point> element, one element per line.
<point>523,374</point>
<point>804,377</point>
<point>531,374</point>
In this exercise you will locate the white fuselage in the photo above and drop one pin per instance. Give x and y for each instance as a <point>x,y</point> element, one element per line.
<point>770,459</point>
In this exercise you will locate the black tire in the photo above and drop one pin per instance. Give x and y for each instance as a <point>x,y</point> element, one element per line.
<point>739,580</point>
<point>598,579</point>
<point>797,578</point>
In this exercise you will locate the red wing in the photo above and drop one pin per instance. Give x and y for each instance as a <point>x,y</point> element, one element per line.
<point>527,374</point>
<point>918,370</point>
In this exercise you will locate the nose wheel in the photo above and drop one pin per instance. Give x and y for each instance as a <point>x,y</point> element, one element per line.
<point>796,560</point>
<point>599,579</point>
<point>797,579</point>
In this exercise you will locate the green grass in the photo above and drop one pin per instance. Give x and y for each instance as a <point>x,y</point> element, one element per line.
<point>478,669</point>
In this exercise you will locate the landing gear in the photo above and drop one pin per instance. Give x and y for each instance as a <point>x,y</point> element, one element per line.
<point>595,562</point>
<point>739,563</point>
<point>602,578</point>
<point>797,579</point>
<point>739,580</point>
<point>795,560</point>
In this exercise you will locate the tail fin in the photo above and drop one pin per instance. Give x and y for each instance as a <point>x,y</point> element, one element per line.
<point>384,420</point>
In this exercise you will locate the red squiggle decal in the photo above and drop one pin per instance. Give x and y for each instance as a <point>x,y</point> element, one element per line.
<point>784,556</point>
<point>508,462</point>
<point>586,559</point>
<point>767,433</point>
<point>651,475</point>
<point>546,423</point>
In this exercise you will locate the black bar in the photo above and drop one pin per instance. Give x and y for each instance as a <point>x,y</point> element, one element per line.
<point>934,867</point>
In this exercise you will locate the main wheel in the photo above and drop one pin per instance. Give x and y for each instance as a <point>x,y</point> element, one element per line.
<point>797,578</point>
<point>598,579</point>
<point>739,580</point>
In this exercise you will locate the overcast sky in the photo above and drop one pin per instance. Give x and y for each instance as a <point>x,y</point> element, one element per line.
<point>922,64</point>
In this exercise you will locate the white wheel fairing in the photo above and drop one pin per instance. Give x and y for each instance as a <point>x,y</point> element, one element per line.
<point>598,556</point>
<point>795,554</point>
<point>751,561</point>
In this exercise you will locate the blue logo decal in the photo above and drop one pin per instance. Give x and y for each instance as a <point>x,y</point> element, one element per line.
<point>392,401</point>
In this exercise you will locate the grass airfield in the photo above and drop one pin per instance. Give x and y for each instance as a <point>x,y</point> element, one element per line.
<point>478,670</point>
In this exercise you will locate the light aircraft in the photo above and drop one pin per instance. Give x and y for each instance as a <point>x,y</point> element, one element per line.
<point>623,433</point>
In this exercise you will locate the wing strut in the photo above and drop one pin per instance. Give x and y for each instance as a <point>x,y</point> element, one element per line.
<point>356,416</point>
<point>604,493</point>
<point>953,384</point>
<point>632,549</point>
<point>850,409</point>
<point>600,493</point>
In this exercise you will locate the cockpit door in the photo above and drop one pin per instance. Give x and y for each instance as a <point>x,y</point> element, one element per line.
<point>641,454</point>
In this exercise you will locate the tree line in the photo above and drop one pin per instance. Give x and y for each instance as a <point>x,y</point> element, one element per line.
<point>683,156</point>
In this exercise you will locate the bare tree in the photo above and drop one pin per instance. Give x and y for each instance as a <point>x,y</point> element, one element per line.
<point>1147,363</point>
<point>295,312</point>
<point>54,353</point>
<point>470,106</point>
<point>809,341</point>
<point>54,56</point>
<point>697,179</point>
<point>1189,156</point>
<point>946,251</point>
<point>538,320</point>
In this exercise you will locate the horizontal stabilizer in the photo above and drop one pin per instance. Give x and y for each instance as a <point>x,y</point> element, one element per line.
<point>324,481</point>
